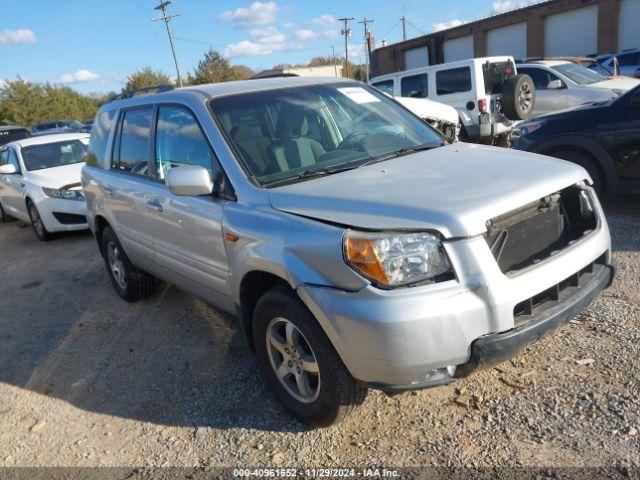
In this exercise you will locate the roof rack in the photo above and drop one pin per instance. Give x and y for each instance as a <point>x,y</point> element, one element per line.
<point>165,87</point>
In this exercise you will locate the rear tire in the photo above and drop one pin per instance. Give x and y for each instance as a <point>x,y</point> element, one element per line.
<point>319,398</point>
<point>36,222</point>
<point>131,283</point>
<point>587,162</point>
<point>518,97</point>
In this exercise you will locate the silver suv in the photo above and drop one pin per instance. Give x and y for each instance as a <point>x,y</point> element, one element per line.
<point>354,247</point>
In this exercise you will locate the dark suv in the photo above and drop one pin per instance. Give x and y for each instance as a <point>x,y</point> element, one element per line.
<point>10,133</point>
<point>602,137</point>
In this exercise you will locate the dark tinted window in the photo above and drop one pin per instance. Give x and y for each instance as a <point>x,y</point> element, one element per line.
<point>385,86</point>
<point>99,137</point>
<point>4,156</point>
<point>415,86</point>
<point>453,81</point>
<point>134,144</point>
<point>7,136</point>
<point>540,77</point>
<point>629,59</point>
<point>49,155</point>
<point>180,141</point>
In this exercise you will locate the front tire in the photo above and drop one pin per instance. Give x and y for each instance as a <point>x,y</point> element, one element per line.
<point>131,283</point>
<point>299,362</point>
<point>38,225</point>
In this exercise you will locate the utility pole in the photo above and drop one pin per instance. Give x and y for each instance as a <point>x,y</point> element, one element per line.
<point>365,22</point>
<point>404,27</point>
<point>163,8</point>
<point>346,31</point>
<point>335,67</point>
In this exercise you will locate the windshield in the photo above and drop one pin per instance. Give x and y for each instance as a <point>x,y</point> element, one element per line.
<point>285,134</point>
<point>579,74</point>
<point>49,155</point>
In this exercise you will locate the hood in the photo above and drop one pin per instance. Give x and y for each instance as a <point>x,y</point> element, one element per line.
<point>425,108</point>
<point>453,189</point>
<point>56,177</point>
<point>618,83</point>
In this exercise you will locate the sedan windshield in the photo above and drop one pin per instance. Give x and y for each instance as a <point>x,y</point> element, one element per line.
<point>292,134</point>
<point>49,155</point>
<point>579,74</point>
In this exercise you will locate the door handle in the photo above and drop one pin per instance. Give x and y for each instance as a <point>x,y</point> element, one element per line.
<point>154,205</point>
<point>108,191</point>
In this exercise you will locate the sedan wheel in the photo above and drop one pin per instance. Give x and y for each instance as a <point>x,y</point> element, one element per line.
<point>38,224</point>
<point>293,360</point>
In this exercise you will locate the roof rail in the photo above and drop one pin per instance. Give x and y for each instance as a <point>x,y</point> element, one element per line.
<point>165,87</point>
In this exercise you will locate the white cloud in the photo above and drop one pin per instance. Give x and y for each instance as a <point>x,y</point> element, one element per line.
<point>288,25</point>
<point>445,25</point>
<point>305,34</point>
<point>325,20</point>
<point>268,35</point>
<point>331,33</point>
<point>80,76</point>
<point>502,6</point>
<point>258,13</point>
<point>17,37</point>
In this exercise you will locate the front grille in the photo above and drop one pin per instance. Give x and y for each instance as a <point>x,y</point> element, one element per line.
<point>528,309</point>
<point>538,230</point>
<point>70,218</point>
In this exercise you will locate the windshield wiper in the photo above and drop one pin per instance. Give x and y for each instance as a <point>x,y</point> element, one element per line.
<point>399,153</point>
<point>310,174</point>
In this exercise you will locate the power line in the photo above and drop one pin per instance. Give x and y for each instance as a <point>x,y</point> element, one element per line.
<point>384,35</point>
<point>419,30</point>
<point>346,31</point>
<point>163,8</point>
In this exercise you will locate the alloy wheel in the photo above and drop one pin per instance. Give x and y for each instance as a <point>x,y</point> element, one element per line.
<point>293,360</point>
<point>116,265</point>
<point>36,220</point>
<point>526,96</point>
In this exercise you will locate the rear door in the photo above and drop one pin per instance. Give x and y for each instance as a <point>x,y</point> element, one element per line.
<point>546,100</point>
<point>187,230</point>
<point>124,189</point>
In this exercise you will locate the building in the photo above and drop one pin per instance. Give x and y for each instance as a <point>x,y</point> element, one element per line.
<point>328,71</point>
<point>551,28</point>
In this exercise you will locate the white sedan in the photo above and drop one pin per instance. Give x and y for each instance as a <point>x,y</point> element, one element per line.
<point>40,182</point>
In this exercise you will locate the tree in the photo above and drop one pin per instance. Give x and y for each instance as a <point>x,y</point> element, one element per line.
<point>243,72</point>
<point>146,77</point>
<point>27,103</point>
<point>213,68</point>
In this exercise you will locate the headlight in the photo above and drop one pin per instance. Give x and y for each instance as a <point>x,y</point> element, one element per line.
<point>395,259</point>
<point>64,194</point>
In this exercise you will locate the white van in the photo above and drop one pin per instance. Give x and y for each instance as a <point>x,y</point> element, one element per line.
<point>488,93</point>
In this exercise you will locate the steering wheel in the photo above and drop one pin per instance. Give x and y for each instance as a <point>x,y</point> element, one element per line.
<point>347,140</point>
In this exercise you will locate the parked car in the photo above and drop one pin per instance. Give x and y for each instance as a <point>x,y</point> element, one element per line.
<point>40,182</point>
<point>355,249</point>
<point>628,62</point>
<point>443,118</point>
<point>587,62</point>
<point>561,84</point>
<point>9,133</point>
<point>601,137</point>
<point>488,93</point>
<point>60,126</point>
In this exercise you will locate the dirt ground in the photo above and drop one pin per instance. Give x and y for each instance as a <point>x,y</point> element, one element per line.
<point>89,380</point>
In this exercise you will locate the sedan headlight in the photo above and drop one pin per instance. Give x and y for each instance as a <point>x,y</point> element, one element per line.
<point>396,259</point>
<point>64,194</point>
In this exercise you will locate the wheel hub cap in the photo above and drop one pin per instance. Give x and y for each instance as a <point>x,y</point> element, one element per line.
<point>116,265</point>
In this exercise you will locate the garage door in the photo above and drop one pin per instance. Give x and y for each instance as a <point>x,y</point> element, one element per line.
<point>416,57</point>
<point>629,32</point>
<point>511,40</point>
<point>458,49</point>
<point>573,33</point>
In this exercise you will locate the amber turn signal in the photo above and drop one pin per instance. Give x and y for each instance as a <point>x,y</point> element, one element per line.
<point>361,254</point>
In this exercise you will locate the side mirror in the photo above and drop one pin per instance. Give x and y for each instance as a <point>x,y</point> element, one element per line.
<point>189,180</point>
<point>555,85</point>
<point>8,169</point>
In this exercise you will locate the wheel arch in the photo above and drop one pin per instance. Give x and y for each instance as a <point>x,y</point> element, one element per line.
<point>588,146</point>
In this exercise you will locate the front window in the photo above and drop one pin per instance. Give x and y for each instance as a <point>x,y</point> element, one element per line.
<point>50,155</point>
<point>385,86</point>
<point>578,73</point>
<point>287,135</point>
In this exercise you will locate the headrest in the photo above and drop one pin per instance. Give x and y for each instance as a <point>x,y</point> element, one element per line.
<point>292,124</point>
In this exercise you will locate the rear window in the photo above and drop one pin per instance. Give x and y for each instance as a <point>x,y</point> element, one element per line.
<point>454,80</point>
<point>132,149</point>
<point>99,137</point>
<point>416,86</point>
<point>50,155</point>
<point>495,74</point>
<point>385,86</point>
<point>7,136</point>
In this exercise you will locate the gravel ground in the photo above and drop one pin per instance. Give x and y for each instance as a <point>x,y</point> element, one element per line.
<point>89,380</point>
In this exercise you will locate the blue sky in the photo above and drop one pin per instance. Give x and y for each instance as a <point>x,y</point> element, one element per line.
<point>93,45</point>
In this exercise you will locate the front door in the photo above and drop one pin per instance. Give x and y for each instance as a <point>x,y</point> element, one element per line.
<point>547,100</point>
<point>12,187</point>
<point>187,230</point>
